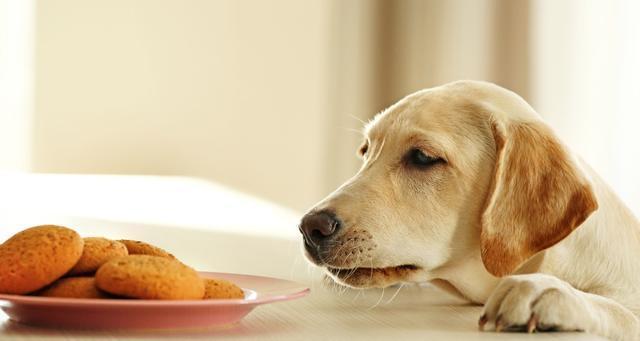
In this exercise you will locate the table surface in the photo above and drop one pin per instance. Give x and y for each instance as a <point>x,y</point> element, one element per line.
<point>214,228</point>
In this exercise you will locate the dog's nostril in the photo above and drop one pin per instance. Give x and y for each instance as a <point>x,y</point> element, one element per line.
<point>317,226</point>
<point>317,235</point>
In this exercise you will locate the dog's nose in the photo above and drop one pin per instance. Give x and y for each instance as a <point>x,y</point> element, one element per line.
<point>317,226</point>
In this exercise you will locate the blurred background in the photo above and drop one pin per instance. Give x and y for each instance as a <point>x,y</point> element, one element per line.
<point>267,97</point>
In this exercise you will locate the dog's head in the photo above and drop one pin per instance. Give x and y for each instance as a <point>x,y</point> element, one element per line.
<point>448,173</point>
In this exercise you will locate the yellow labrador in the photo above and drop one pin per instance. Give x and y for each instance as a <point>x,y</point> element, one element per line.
<point>464,185</point>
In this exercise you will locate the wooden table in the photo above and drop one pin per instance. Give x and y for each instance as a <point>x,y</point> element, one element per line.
<point>215,228</point>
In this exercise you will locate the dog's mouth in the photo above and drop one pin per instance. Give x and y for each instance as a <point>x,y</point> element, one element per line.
<point>372,277</point>
<point>390,270</point>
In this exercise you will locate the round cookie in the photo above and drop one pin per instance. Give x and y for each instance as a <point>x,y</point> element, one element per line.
<point>149,277</point>
<point>136,247</point>
<point>97,251</point>
<point>36,257</point>
<point>73,287</point>
<point>220,288</point>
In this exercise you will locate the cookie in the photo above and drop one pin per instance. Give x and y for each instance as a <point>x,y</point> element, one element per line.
<point>220,288</point>
<point>141,248</point>
<point>149,277</point>
<point>36,257</point>
<point>73,287</point>
<point>97,251</point>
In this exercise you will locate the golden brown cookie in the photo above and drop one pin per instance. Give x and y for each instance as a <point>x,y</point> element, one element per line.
<point>36,257</point>
<point>73,287</point>
<point>141,248</point>
<point>221,288</point>
<point>97,251</point>
<point>149,277</point>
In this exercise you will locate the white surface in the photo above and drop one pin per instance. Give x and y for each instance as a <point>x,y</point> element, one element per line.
<point>170,201</point>
<point>224,240</point>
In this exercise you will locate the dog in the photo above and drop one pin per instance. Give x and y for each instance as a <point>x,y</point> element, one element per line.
<point>465,186</point>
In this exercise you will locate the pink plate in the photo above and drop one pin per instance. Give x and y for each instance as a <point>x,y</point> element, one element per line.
<point>151,314</point>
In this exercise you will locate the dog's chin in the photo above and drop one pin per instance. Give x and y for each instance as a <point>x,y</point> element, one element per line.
<point>367,277</point>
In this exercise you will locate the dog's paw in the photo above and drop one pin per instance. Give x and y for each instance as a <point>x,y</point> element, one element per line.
<point>539,302</point>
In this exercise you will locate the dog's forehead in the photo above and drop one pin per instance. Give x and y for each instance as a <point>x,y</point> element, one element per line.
<point>450,107</point>
<point>428,110</point>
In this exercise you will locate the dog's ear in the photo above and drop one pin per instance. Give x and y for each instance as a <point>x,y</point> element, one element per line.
<point>537,196</point>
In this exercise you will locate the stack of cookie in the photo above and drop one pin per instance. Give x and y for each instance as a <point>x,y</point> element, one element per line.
<point>54,261</point>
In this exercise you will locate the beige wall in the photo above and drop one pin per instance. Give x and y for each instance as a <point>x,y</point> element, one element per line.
<point>267,96</point>
<point>586,64</point>
<point>264,96</point>
<point>16,83</point>
<point>235,91</point>
<point>436,41</point>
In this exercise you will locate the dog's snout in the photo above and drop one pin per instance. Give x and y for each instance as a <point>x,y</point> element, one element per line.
<point>317,226</point>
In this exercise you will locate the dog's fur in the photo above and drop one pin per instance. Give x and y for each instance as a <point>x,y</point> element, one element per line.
<point>510,218</point>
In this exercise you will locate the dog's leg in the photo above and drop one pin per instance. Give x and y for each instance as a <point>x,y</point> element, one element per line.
<point>544,303</point>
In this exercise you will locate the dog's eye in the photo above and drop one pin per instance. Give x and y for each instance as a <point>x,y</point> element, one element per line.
<point>419,159</point>
<point>363,150</point>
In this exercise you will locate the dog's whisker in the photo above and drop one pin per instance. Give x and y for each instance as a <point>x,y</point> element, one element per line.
<point>356,296</point>
<point>395,294</point>
<point>349,275</point>
<point>343,290</point>
<point>358,119</point>
<point>310,269</point>
<point>353,130</point>
<point>329,246</point>
<point>337,253</point>
<point>294,266</point>
<point>351,272</point>
<point>379,300</point>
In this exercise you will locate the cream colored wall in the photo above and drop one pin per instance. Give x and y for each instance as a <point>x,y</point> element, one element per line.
<point>427,56</point>
<point>263,96</point>
<point>586,63</point>
<point>434,42</point>
<point>16,83</point>
<point>235,91</point>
